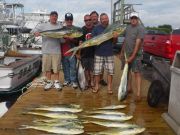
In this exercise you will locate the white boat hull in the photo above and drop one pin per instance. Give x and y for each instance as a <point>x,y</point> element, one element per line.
<point>18,71</point>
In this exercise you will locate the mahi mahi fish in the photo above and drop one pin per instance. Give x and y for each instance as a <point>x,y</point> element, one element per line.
<point>58,123</point>
<point>81,76</point>
<point>58,115</point>
<point>106,35</point>
<point>55,129</point>
<point>59,109</point>
<point>120,131</point>
<point>112,124</point>
<point>122,91</point>
<point>105,112</point>
<point>63,32</point>
<point>110,117</point>
<point>112,107</point>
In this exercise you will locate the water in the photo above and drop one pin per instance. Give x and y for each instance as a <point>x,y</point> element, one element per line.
<point>6,101</point>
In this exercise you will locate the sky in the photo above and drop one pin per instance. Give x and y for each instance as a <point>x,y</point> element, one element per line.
<point>151,12</point>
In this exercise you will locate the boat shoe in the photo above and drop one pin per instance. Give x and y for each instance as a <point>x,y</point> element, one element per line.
<point>48,85</point>
<point>57,85</point>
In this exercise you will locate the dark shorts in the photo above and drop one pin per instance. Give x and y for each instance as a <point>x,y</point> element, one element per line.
<point>136,65</point>
<point>88,63</point>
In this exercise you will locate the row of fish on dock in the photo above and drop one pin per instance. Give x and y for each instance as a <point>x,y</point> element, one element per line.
<point>69,119</point>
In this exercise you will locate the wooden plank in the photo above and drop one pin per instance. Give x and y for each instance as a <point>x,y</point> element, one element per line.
<point>148,117</point>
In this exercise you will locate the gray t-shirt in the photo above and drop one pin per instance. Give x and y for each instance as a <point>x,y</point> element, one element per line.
<point>49,45</point>
<point>131,34</point>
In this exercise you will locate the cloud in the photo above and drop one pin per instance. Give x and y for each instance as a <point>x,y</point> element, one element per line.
<point>152,12</point>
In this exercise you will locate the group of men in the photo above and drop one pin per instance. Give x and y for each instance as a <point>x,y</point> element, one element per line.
<point>94,59</point>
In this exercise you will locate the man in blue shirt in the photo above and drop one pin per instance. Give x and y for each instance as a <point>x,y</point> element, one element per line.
<point>104,54</point>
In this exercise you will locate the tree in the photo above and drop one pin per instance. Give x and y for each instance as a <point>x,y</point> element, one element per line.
<point>167,27</point>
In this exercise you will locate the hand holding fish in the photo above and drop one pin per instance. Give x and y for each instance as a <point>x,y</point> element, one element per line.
<point>115,35</point>
<point>130,59</point>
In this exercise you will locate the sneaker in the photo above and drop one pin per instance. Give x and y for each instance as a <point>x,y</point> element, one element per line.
<point>48,85</point>
<point>57,85</point>
<point>74,85</point>
<point>102,82</point>
<point>66,83</point>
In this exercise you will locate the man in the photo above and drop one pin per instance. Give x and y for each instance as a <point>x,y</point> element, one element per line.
<point>51,55</point>
<point>104,54</point>
<point>87,54</point>
<point>134,35</point>
<point>69,62</point>
<point>94,17</point>
<point>95,20</point>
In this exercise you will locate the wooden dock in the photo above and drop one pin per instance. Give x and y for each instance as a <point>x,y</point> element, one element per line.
<point>145,116</point>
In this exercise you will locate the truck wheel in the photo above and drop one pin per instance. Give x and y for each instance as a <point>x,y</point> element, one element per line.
<point>154,93</point>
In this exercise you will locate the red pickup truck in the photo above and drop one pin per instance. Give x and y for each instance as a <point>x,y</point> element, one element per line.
<point>162,45</point>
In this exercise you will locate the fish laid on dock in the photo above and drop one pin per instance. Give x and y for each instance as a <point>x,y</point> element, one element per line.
<point>105,112</point>
<point>122,91</point>
<point>106,35</point>
<point>110,117</point>
<point>59,123</point>
<point>57,130</point>
<point>119,131</point>
<point>63,32</point>
<point>58,109</point>
<point>112,107</point>
<point>58,115</point>
<point>112,124</point>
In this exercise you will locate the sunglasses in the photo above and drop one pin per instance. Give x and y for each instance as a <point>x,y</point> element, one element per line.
<point>87,20</point>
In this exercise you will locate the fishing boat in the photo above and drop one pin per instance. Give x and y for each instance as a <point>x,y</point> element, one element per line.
<point>17,71</point>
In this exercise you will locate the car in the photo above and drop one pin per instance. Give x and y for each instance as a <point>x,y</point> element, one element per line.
<point>161,45</point>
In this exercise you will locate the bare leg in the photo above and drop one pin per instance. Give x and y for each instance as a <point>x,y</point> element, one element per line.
<point>56,76</point>
<point>92,79</point>
<point>97,78</point>
<point>129,82</point>
<point>138,79</point>
<point>87,77</point>
<point>48,75</point>
<point>110,84</point>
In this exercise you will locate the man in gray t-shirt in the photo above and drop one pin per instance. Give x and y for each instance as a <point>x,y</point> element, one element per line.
<point>134,35</point>
<point>51,51</point>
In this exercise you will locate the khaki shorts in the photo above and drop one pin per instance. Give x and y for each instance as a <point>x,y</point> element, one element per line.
<point>51,62</point>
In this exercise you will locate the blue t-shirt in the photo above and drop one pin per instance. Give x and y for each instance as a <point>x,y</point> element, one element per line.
<point>105,48</point>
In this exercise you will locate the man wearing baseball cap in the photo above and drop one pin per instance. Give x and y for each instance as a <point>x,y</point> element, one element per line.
<point>134,35</point>
<point>69,61</point>
<point>51,52</point>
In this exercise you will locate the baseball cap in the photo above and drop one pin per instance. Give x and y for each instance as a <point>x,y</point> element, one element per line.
<point>134,14</point>
<point>54,13</point>
<point>68,16</point>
